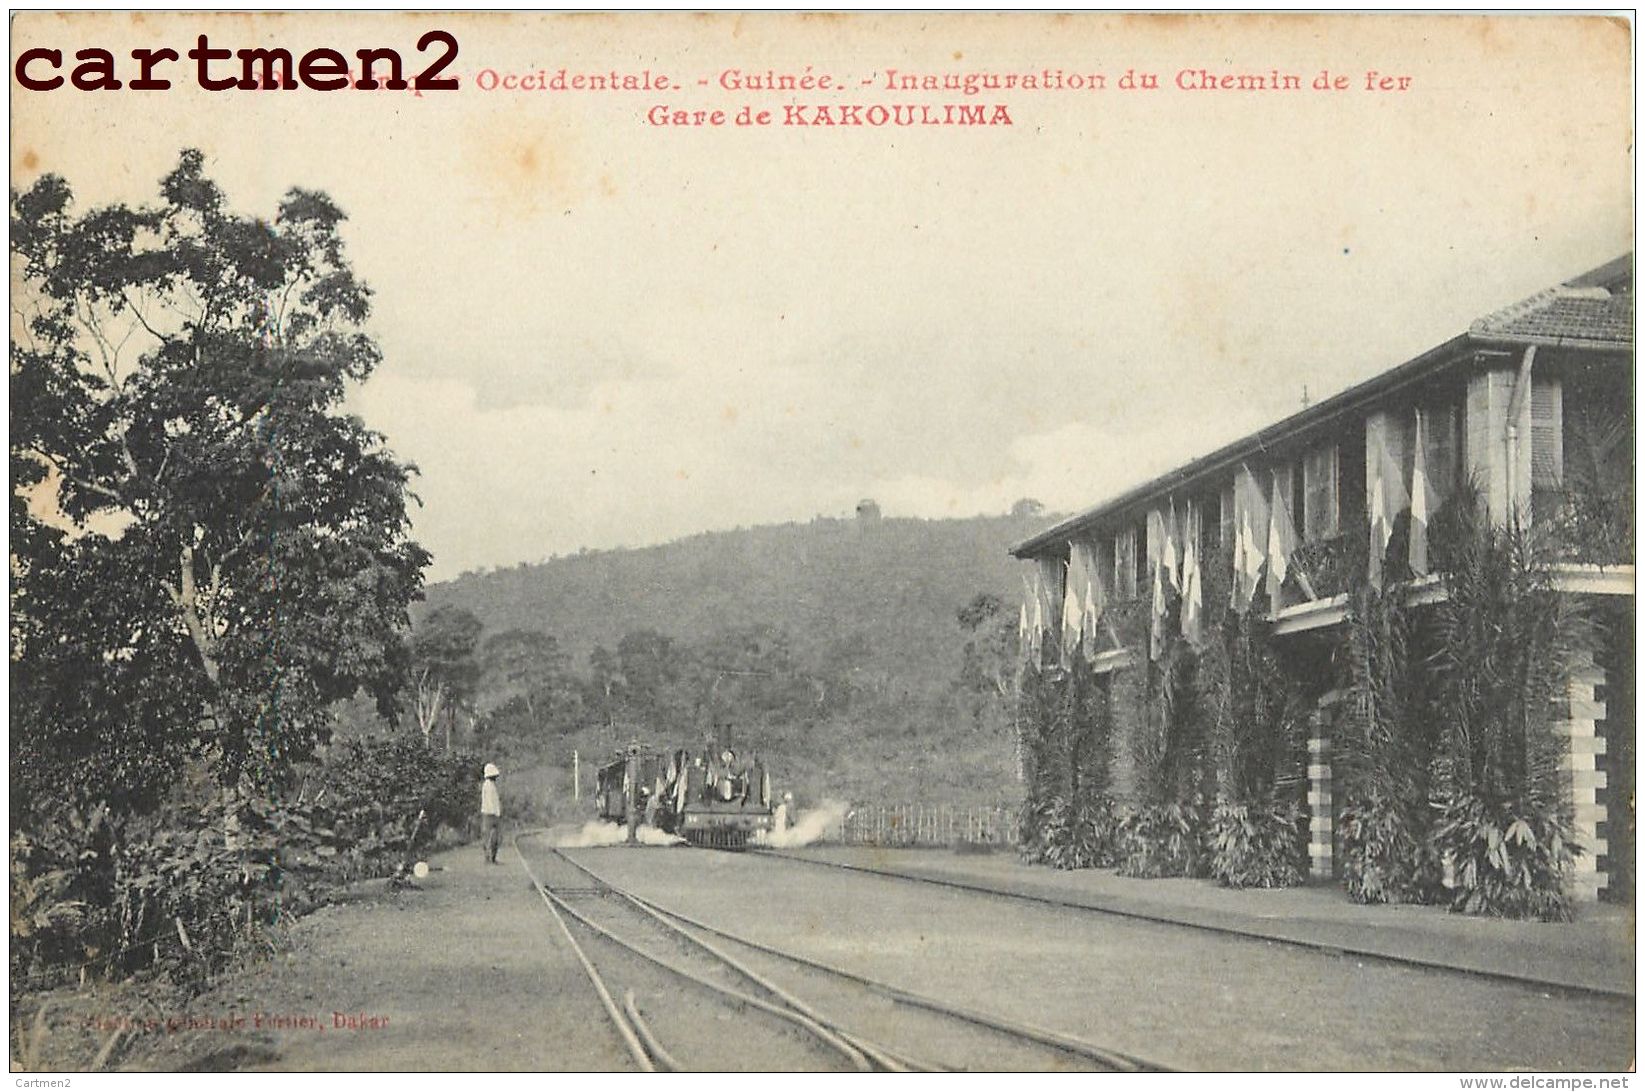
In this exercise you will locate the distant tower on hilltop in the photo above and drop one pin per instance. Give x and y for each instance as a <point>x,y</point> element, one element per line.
<point>868,509</point>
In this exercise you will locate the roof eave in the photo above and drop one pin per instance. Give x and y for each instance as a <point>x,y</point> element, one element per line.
<point>1554,342</point>
<point>1416,370</point>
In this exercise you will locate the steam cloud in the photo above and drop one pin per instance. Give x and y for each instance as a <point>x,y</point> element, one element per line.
<point>811,826</point>
<point>597,833</point>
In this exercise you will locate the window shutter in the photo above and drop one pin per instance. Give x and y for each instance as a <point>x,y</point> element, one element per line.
<point>1284,493</point>
<point>1547,434</point>
<point>1443,450</point>
<point>1140,584</point>
<point>1103,558</point>
<point>1225,520</point>
<point>1125,564</point>
<point>1319,493</point>
<point>1054,581</point>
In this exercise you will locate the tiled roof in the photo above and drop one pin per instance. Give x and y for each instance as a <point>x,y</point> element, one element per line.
<point>1597,307</point>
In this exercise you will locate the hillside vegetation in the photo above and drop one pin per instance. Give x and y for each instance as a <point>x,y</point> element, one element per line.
<point>834,647</point>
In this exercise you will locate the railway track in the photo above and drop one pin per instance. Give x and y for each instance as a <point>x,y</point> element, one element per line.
<point>1324,947</point>
<point>789,1012</point>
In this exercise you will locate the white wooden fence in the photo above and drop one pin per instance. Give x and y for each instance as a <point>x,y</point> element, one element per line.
<point>929,825</point>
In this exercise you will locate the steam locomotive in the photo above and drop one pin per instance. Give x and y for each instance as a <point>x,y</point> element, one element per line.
<point>711,798</point>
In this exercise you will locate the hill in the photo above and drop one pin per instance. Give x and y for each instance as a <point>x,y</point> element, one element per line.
<point>890,587</point>
<point>865,610</point>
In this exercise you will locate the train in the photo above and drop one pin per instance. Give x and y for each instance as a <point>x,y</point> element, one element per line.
<point>710,798</point>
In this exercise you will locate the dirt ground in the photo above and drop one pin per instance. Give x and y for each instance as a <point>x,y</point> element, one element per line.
<point>1178,997</point>
<point>468,972</point>
<point>460,974</point>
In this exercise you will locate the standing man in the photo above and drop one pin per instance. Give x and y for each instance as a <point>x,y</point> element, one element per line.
<point>491,813</point>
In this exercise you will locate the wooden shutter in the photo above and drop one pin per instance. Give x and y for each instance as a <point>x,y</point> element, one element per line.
<point>1225,520</point>
<point>1102,557</point>
<point>1547,434</point>
<point>1443,450</point>
<point>1125,564</point>
<point>1143,574</point>
<point>1319,493</point>
<point>1054,581</point>
<point>1284,493</point>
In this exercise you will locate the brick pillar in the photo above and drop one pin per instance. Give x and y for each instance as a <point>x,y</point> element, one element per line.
<point>1584,779</point>
<point>1322,818</point>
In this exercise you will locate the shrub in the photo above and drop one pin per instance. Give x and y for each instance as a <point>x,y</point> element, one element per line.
<point>1031,819</point>
<point>60,876</point>
<point>1509,858</point>
<point>1082,836</point>
<point>1383,860</point>
<point>178,889</point>
<point>1257,846</point>
<point>1161,840</point>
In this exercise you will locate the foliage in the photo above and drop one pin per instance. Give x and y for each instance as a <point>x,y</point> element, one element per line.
<point>1161,840</point>
<point>113,894</point>
<point>1454,715</point>
<point>1027,508</point>
<point>1257,846</point>
<point>1509,860</point>
<point>1256,712</point>
<point>1384,749</point>
<point>206,550</point>
<point>444,670</point>
<point>1043,724</point>
<point>1384,860</point>
<point>988,667</point>
<point>1507,642</point>
<point>377,787</point>
<point>1068,836</point>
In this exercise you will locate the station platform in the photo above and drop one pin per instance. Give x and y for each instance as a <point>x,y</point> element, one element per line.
<point>1596,952</point>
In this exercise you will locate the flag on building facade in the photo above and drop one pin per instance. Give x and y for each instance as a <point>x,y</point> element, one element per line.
<point>1172,553</point>
<point>1192,607</point>
<point>1250,537</point>
<point>1086,577</point>
<point>1387,499</point>
<point>1422,500</point>
<point>1028,629</point>
<point>1073,607</point>
<point>1282,543</point>
<point>1156,577</point>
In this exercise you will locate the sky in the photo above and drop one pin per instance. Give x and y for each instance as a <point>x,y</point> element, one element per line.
<point>599,332</point>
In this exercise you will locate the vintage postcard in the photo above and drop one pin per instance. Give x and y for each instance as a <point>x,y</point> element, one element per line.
<point>913,542</point>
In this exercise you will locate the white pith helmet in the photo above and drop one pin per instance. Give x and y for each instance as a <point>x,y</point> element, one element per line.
<point>492,770</point>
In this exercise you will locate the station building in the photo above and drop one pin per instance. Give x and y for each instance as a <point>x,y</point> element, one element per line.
<point>1526,403</point>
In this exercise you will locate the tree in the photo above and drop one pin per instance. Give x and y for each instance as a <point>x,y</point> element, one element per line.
<point>606,684</point>
<point>530,689</point>
<point>444,671</point>
<point>1027,508</point>
<point>660,678</point>
<point>524,664</point>
<point>989,665</point>
<point>206,551</point>
<point>751,672</point>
